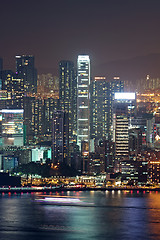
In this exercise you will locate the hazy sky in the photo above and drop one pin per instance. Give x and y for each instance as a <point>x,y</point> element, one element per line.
<point>54,30</point>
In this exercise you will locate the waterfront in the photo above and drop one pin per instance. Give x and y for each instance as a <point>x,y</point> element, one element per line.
<point>113,215</point>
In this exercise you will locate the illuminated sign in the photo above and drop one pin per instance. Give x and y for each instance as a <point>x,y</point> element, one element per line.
<point>12,110</point>
<point>125,95</point>
<point>83,58</point>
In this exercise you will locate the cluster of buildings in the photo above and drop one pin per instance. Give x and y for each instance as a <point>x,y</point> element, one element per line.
<point>90,124</point>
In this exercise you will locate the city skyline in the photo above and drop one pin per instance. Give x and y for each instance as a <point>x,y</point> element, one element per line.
<point>79,119</point>
<point>117,35</point>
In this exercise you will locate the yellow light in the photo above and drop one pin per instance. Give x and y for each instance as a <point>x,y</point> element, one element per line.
<point>157,137</point>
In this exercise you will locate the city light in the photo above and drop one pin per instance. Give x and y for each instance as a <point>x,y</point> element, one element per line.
<point>125,96</point>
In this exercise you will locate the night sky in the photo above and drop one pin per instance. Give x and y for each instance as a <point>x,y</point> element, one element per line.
<point>122,37</point>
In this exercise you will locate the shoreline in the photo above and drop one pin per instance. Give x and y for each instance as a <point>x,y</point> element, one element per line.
<point>50,190</point>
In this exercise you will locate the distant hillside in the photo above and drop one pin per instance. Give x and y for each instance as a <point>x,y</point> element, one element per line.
<point>131,69</point>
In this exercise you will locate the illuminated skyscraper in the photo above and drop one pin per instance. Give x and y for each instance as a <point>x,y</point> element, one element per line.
<point>102,97</point>
<point>68,95</point>
<point>83,97</point>
<point>26,70</point>
<point>99,108</point>
<point>11,123</point>
<point>124,110</point>
<point>60,139</point>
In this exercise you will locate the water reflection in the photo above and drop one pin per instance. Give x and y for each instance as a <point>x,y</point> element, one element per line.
<point>154,215</point>
<point>113,215</point>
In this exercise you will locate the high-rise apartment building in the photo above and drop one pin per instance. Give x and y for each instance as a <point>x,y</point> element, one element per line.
<point>25,67</point>
<point>83,100</point>
<point>68,95</point>
<point>47,84</point>
<point>50,105</point>
<point>33,118</point>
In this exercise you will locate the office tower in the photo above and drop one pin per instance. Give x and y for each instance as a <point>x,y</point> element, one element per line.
<point>83,97</point>
<point>124,110</point>
<point>99,108</point>
<point>26,69</point>
<point>11,123</point>
<point>102,97</point>
<point>60,139</point>
<point>116,85</point>
<point>68,95</point>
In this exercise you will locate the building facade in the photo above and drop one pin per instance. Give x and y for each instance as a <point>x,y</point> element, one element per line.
<point>25,68</point>
<point>11,123</point>
<point>123,112</point>
<point>102,97</point>
<point>60,138</point>
<point>68,95</point>
<point>83,97</point>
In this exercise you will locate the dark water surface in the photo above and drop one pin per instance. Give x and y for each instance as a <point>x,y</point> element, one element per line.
<point>113,215</point>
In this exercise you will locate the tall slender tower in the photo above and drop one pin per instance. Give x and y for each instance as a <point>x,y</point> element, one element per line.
<point>60,139</point>
<point>68,95</point>
<point>83,96</point>
<point>99,108</point>
<point>124,109</point>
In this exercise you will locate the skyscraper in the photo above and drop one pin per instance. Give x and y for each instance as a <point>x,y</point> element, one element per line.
<point>83,97</point>
<point>49,106</point>
<point>102,97</point>
<point>68,95</point>
<point>116,85</point>
<point>124,110</point>
<point>26,69</point>
<point>99,108</point>
<point>60,140</point>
